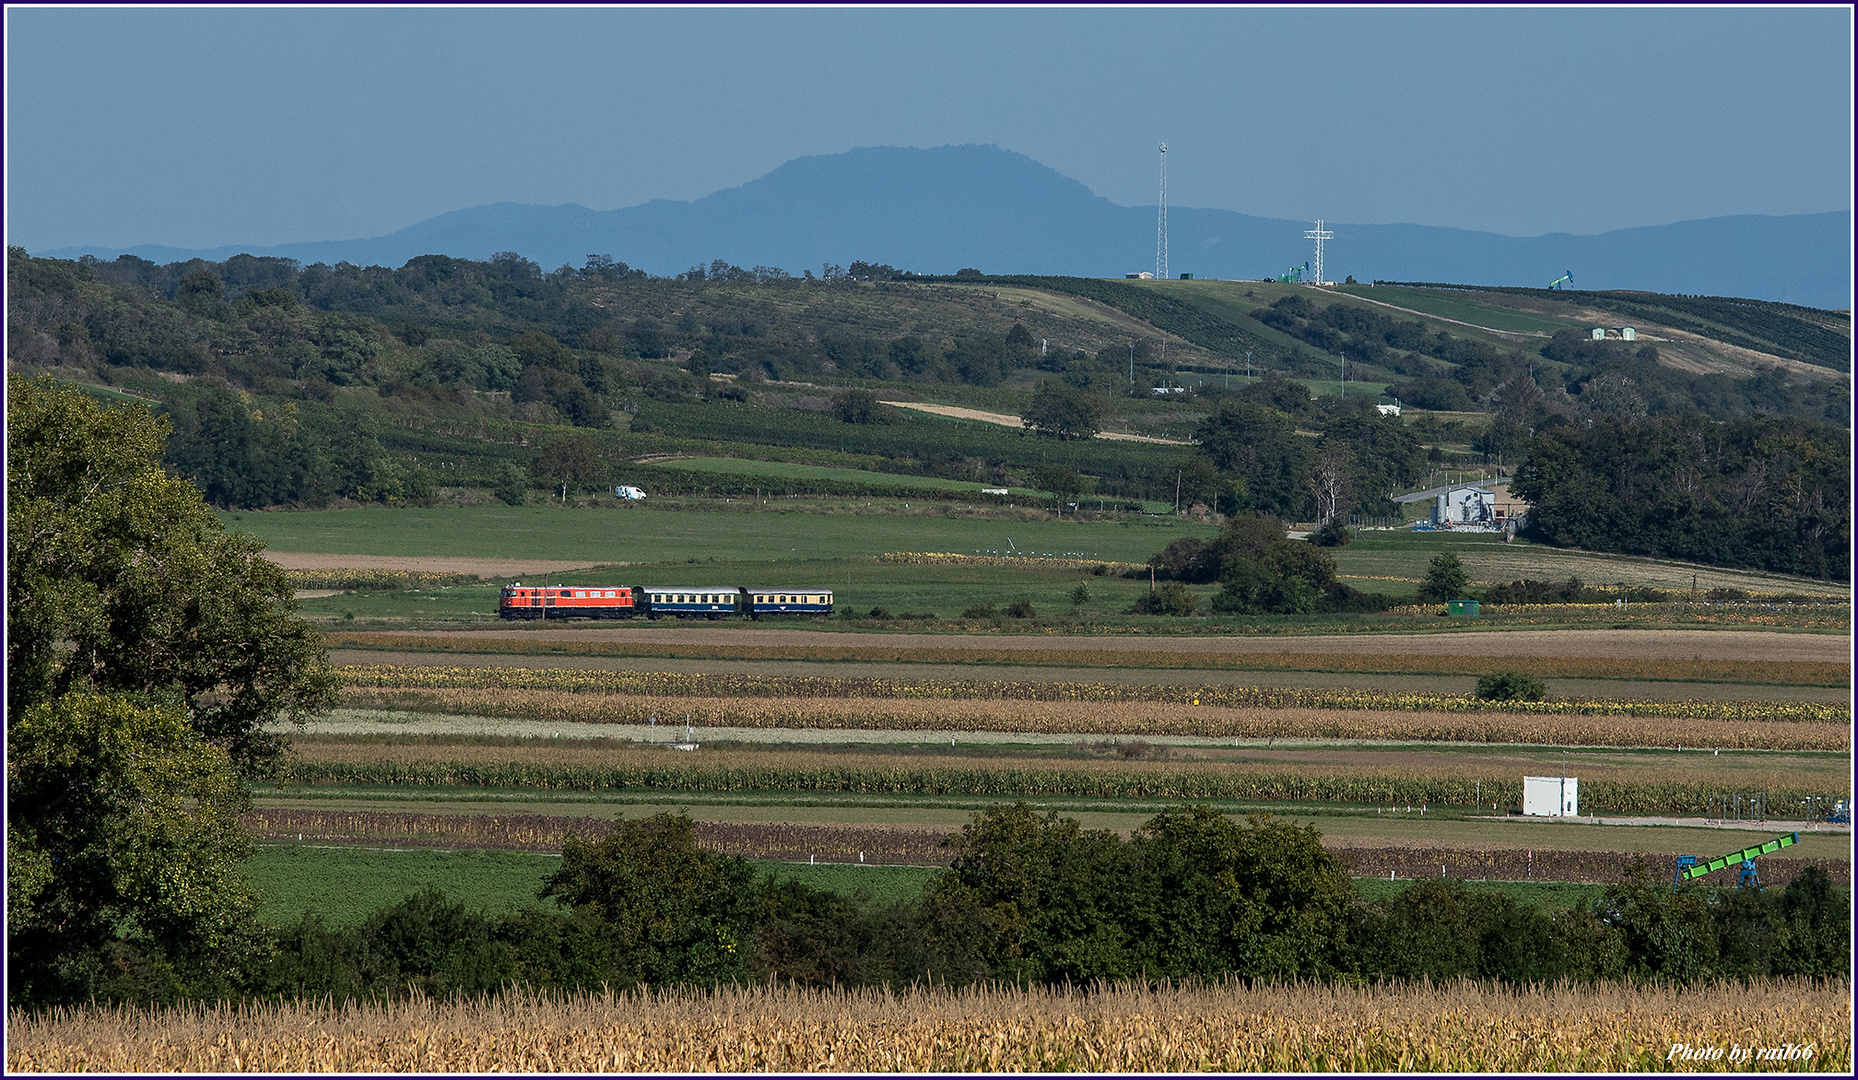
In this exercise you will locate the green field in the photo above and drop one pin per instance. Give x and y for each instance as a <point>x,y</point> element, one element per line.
<point>753,542</point>
<point>786,470</point>
<point>345,885</point>
<point>1459,306</point>
<point>614,534</point>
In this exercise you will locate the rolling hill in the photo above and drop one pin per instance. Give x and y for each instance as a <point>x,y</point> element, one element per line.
<point>938,210</point>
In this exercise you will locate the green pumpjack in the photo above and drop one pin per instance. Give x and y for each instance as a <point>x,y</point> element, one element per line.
<point>1689,867</point>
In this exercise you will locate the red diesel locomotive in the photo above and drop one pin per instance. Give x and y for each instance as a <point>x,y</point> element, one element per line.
<point>521,601</point>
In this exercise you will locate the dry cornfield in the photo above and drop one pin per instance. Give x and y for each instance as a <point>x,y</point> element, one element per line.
<point>1783,672</point>
<point>1708,728</point>
<point>877,845</point>
<point>1627,789</point>
<point>1228,1027</point>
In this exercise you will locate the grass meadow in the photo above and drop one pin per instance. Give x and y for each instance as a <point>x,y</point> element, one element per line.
<point>611,532</point>
<point>1464,309</point>
<point>788,470</point>
<point>840,551</point>
<point>345,884</point>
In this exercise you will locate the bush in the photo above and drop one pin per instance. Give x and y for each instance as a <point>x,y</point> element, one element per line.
<point>879,613</point>
<point>511,484</point>
<point>980,611</point>
<point>1510,686</point>
<point>1338,597</point>
<point>1332,534</point>
<point>1021,609</point>
<point>860,407</point>
<point>1171,599</point>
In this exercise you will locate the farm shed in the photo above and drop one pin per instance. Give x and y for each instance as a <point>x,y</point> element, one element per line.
<point>1551,796</point>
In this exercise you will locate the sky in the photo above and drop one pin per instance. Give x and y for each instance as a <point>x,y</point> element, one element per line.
<point>197,127</point>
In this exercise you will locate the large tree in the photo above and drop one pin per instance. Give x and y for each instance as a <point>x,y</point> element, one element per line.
<point>1064,411</point>
<point>119,579</point>
<point>1266,462</point>
<point>568,461</point>
<point>149,655</point>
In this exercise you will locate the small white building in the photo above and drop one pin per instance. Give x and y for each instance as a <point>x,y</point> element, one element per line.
<point>1465,506</point>
<point>1626,332</point>
<point>1551,796</point>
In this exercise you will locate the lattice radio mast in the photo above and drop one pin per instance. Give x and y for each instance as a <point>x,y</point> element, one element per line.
<point>1319,234</point>
<point>1161,221</point>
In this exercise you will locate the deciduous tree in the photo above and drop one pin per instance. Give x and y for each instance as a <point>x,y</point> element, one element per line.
<point>1064,411</point>
<point>119,579</point>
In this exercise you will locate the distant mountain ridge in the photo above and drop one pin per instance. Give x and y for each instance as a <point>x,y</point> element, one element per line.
<point>939,210</point>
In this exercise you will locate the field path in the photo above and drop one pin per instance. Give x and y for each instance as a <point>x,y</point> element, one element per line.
<point>1006,420</point>
<point>1634,644</point>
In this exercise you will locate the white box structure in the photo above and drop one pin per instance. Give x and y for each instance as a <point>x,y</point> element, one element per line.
<point>1551,796</point>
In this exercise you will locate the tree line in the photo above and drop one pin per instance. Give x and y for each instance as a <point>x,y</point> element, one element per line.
<point>1028,898</point>
<point>1765,492</point>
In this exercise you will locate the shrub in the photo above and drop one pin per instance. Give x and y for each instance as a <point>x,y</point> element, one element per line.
<point>980,611</point>
<point>1021,609</point>
<point>1510,686</point>
<point>1332,534</point>
<point>1171,599</point>
<point>511,484</point>
<point>860,407</point>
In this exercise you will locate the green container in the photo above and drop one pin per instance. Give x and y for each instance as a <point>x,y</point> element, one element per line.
<point>1461,607</point>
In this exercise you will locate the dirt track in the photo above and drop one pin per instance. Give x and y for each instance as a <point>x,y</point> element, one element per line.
<point>1006,420</point>
<point>1635,644</point>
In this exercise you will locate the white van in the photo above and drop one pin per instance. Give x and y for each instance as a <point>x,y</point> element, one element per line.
<point>626,491</point>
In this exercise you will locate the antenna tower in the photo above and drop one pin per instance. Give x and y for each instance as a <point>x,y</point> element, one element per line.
<point>1319,234</point>
<point>1161,221</point>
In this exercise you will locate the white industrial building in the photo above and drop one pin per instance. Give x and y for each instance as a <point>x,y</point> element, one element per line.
<point>1551,796</point>
<point>1465,506</point>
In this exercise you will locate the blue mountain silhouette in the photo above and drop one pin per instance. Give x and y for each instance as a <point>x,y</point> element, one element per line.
<point>938,210</point>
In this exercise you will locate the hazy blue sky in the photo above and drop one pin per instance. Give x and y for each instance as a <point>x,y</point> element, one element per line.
<point>199,127</point>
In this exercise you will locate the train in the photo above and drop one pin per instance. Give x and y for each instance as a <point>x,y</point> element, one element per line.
<point>519,601</point>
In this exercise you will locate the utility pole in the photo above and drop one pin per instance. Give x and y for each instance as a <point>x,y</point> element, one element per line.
<point>1177,491</point>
